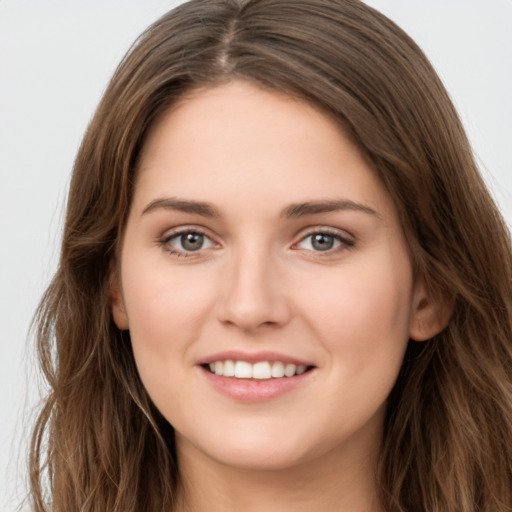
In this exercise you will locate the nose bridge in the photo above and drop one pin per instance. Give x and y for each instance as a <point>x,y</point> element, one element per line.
<point>254,295</point>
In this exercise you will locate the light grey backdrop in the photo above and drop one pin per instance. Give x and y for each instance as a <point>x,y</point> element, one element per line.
<point>55,59</point>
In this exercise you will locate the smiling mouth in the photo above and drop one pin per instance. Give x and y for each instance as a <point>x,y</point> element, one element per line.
<point>262,370</point>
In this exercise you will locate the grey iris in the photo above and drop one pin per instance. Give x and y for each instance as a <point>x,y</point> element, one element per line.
<point>192,241</point>
<point>322,242</point>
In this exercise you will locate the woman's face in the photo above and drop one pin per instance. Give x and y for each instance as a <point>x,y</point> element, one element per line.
<point>259,245</point>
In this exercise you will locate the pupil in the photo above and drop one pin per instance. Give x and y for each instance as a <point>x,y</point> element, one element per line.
<point>192,241</point>
<point>322,242</point>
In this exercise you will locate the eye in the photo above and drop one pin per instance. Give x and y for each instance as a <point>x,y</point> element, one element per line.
<point>323,241</point>
<point>187,242</point>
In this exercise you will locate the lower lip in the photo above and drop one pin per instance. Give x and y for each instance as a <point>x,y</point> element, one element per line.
<point>254,390</point>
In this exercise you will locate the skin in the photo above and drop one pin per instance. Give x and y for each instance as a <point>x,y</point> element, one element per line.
<point>259,284</point>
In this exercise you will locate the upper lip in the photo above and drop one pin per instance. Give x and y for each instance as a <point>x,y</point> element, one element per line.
<point>253,357</point>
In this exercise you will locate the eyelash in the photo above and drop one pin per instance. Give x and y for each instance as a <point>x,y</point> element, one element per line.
<point>165,242</point>
<point>342,241</point>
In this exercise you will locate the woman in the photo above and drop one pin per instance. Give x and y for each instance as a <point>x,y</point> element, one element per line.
<point>283,284</point>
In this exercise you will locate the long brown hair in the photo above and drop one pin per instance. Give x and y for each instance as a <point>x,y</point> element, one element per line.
<point>99,443</point>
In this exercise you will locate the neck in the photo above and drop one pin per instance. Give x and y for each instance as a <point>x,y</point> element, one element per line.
<point>328,483</point>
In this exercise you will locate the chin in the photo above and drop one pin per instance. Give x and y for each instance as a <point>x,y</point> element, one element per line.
<point>257,452</point>
<point>257,459</point>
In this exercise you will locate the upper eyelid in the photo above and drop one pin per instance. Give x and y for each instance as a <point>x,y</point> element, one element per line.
<point>173,232</point>
<point>341,233</point>
<point>165,240</point>
<point>347,241</point>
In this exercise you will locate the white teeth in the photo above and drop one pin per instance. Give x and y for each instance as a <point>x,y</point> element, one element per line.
<point>289,370</point>
<point>243,370</point>
<point>219,368</point>
<point>229,368</point>
<point>277,369</point>
<point>262,370</point>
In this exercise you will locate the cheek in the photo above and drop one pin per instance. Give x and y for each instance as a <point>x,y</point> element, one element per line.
<point>362,314</point>
<point>166,309</point>
<point>363,324</point>
<point>166,312</point>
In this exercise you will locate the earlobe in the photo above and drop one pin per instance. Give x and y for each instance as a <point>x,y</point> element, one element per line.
<point>430,313</point>
<point>117,303</point>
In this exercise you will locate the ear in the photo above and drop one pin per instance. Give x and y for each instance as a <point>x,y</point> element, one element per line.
<point>117,303</point>
<point>430,314</point>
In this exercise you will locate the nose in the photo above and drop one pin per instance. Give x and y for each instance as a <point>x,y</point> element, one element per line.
<point>254,297</point>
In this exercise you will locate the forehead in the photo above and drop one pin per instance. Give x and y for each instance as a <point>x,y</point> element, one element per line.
<point>245,113</point>
<point>253,142</point>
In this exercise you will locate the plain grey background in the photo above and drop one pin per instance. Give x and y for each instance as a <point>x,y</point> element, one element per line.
<point>56,57</point>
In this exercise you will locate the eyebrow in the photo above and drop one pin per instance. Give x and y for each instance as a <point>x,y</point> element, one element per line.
<point>293,211</point>
<point>316,207</point>
<point>182,205</point>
